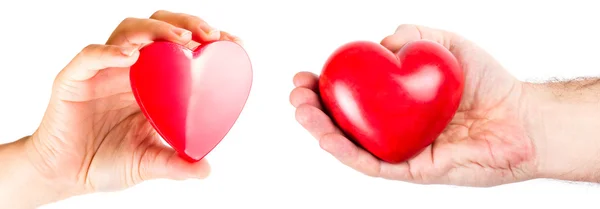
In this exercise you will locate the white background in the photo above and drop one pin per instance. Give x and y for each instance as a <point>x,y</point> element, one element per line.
<point>268,160</point>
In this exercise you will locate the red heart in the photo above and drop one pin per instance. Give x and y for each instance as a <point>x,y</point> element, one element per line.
<point>392,105</point>
<point>192,98</point>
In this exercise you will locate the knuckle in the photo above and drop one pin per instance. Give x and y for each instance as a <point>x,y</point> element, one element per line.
<point>194,17</point>
<point>292,97</point>
<point>295,94</point>
<point>128,21</point>
<point>122,30</point>
<point>158,13</point>
<point>404,27</point>
<point>95,52</point>
<point>200,21</point>
<point>104,51</point>
<point>192,20</point>
<point>88,50</point>
<point>126,25</point>
<point>159,25</point>
<point>400,27</point>
<point>302,115</point>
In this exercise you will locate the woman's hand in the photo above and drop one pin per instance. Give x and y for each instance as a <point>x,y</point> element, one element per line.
<point>93,136</point>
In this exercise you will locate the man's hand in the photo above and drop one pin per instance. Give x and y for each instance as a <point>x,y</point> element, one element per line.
<point>487,143</point>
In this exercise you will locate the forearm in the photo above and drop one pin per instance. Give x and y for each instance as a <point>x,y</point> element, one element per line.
<point>565,121</point>
<point>21,187</point>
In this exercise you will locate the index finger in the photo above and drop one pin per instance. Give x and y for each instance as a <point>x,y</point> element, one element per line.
<point>306,80</point>
<point>139,32</point>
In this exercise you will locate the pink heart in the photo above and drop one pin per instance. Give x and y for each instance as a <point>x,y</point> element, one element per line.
<point>192,98</point>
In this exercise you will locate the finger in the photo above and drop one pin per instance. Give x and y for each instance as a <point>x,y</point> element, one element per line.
<point>400,171</point>
<point>434,164</point>
<point>201,31</point>
<point>359,159</point>
<point>407,33</point>
<point>181,169</point>
<point>110,82</point>
<point>301,95</point>
<point>315,121</point>
<point>163,162</point>
<point>351,155</point>
<point>192,45</point>
<point>307,80</point>
<point>140,32</point>
<point>332,140</point>
<point>228,37</point>
<point>96,57</point>
<point>71,85</point>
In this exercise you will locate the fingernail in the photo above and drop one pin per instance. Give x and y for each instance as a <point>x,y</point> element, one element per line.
<point>206,28</point>
<point>128,51</point>
<point>183,33</point>
<point>214,34</point>
<point>238,40</point>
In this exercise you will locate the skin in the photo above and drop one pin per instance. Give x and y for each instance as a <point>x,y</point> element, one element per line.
<point>504,131</point>
<point>93,137</point>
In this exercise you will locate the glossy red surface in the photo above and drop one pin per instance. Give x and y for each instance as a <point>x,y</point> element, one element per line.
<point>392,105</point>
<point>192,98</point>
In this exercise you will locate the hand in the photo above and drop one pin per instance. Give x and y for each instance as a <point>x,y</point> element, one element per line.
<point>485,144</point>
<point>93,136</point>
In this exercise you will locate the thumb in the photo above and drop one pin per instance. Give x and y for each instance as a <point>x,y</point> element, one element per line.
<point>161,162</point>
<point>408,33</point>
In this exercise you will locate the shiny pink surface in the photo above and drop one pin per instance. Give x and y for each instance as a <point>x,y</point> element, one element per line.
<point>192,98</point>
<point>392,105</point>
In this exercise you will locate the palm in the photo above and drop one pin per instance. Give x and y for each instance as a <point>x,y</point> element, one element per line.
<point>485,143</point>
<point>129,143</point>
<point>93,136</point>
<point>110,145</point>
<point>94,120</point>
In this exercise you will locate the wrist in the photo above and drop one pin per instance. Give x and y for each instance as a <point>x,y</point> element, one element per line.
<point>22,184</point>
<point>564,125</point>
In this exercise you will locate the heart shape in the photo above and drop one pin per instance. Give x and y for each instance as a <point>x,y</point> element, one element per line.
<point>392,105</point>
<point>192,98</point>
